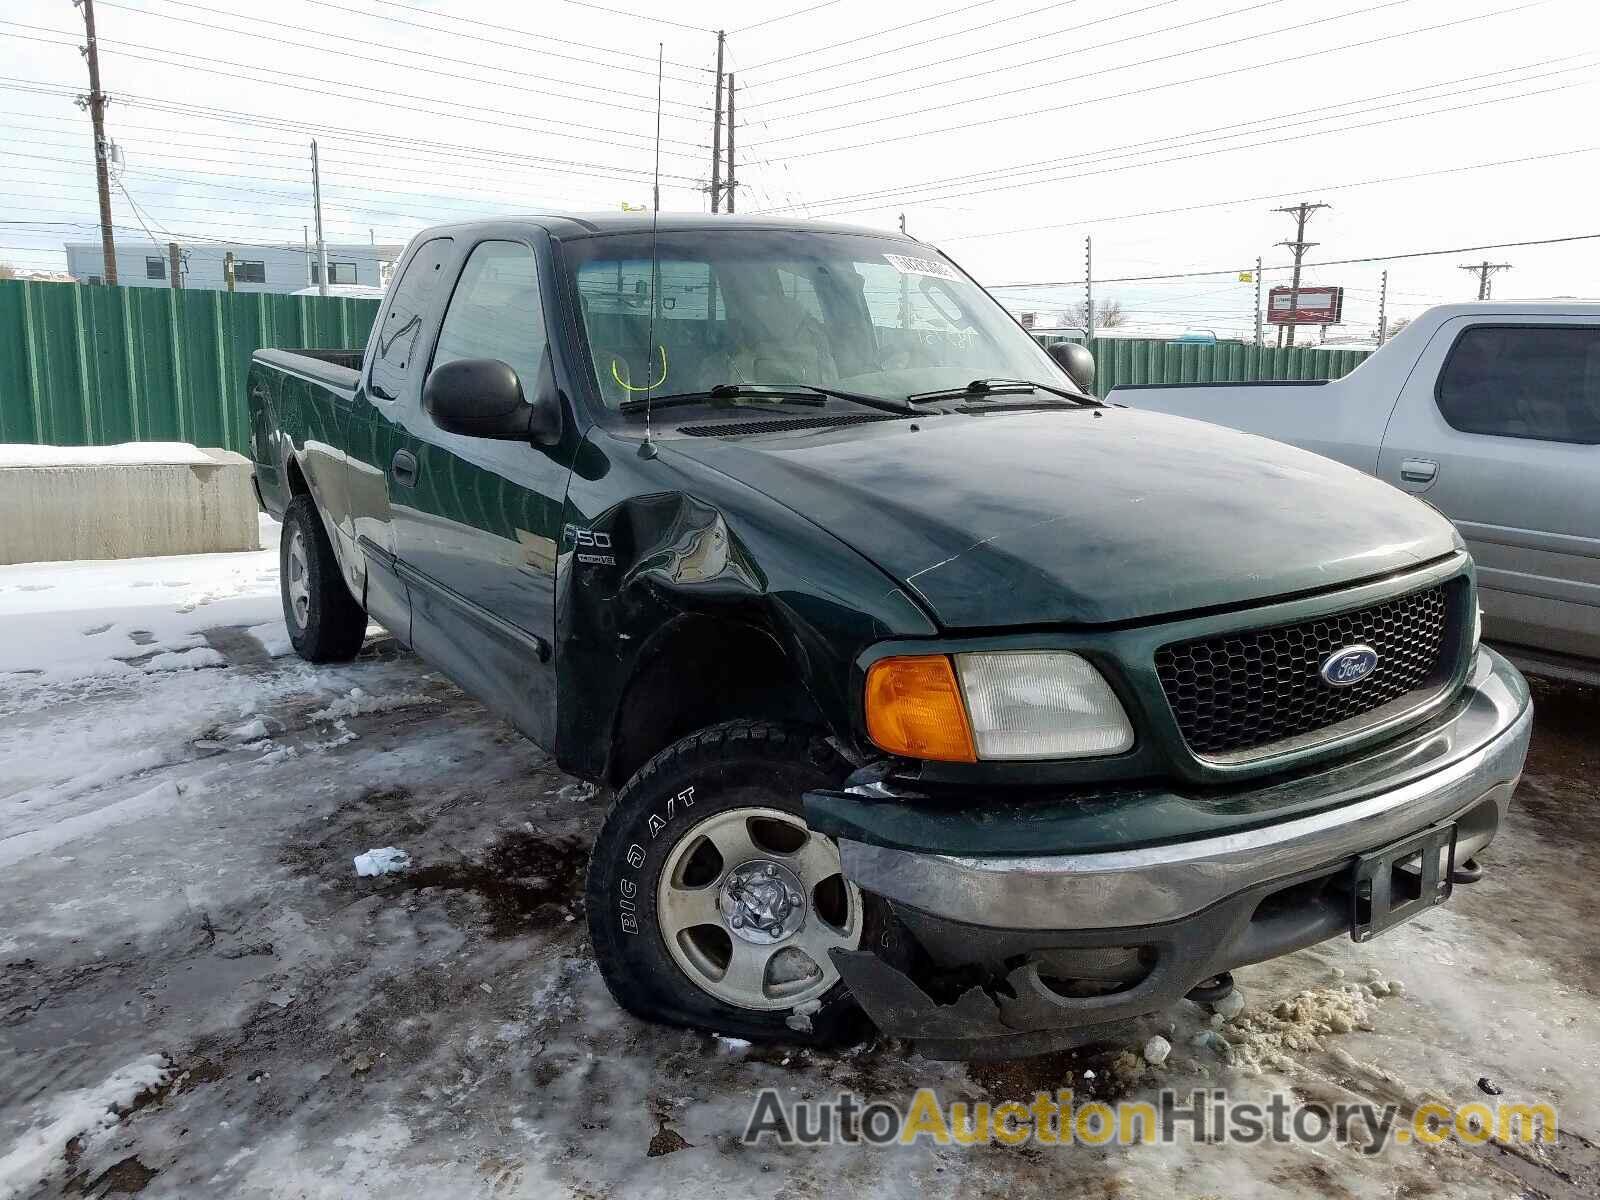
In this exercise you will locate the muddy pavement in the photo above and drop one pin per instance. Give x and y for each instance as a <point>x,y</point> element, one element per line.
<point>198,996</point>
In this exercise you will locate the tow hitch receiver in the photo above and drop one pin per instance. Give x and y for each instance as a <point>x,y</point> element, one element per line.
<point>1395,883</point>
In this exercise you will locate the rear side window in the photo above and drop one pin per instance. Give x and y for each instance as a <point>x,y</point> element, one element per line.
<point>496,312</point>
<point>402,323</point>
<point>1529,381</point>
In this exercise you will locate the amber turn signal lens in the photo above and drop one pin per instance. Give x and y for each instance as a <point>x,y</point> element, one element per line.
<point>914,708</point>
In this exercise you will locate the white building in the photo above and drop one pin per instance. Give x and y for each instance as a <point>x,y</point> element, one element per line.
<point>256,268</point>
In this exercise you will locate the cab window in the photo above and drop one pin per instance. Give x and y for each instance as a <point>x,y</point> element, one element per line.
<point>496,312</point>
<point>407,311</point>
<point>1527,381</point>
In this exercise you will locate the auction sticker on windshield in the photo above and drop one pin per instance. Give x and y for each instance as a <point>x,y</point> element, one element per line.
<point>908,265</point>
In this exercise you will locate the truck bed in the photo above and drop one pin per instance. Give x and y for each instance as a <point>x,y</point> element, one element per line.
<point>337,368</point>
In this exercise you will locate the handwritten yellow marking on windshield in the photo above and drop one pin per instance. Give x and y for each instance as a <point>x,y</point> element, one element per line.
<point>647,387</point>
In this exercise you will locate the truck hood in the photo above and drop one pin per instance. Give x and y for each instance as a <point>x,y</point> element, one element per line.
<point>1084,516</point>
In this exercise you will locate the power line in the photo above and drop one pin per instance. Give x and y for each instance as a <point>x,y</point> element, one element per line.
<point>1331,262</point>
<point>500,29</point>
<point>989,122</point>
<point>1328,187</point>
<point>936,189</point>
<point>799,12</point>
<point>1078,77</point>
<point>328,34</point>
<point>451,150</point>
<point>1033,12</point>
<point>863,37</point>
<point>381,95</point>
<point>1074,52</point>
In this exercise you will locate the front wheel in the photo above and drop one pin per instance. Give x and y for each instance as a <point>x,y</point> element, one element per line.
<point>710,902</point>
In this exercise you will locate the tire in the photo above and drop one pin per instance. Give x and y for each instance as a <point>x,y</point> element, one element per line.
<point>325,622</point>
<point>741,777</point>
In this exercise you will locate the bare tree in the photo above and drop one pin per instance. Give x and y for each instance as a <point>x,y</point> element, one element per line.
<point>1107,315</point>
<point>7,271</point>
<point>1396,325</point>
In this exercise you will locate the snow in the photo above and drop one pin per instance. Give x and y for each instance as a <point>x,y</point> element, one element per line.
<point>67,621</point>
<point>143,454</point>
<point>38,1151</point>
<point>176,874</point>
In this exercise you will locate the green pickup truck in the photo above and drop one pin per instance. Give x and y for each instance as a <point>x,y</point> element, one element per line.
<point>931,688</point>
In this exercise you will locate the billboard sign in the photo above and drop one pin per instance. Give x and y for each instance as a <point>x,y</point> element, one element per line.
<point>1315,306</point>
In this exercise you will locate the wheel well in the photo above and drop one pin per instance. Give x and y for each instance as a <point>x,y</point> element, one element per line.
<point>703,672</point>
<point>296,478</point>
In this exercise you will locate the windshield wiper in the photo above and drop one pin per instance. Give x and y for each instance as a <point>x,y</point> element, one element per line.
<point>725,391</point>
<point>800,393</point>
<point>1001,387</point>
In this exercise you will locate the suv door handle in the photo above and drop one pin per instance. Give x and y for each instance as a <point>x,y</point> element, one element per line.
<point>1418,470</point>
<point>404,468</point>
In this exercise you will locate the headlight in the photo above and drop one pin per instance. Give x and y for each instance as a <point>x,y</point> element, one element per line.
<point>1006,705</point>
<point>1027,704</point>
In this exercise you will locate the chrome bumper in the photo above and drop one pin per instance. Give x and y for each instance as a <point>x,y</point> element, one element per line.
<point>1163,883</point>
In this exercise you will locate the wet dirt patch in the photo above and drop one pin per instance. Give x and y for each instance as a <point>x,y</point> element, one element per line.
<point>526,880</point>
<point>125,1178</point>
<point>1089,1072</point>
<point>374,817</point>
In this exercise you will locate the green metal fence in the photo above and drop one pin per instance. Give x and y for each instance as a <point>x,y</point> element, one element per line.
<point>1138,360</point>
<point>93,366</point>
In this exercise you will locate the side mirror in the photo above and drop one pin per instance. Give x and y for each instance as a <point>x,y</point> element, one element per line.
<point>482,397</point>
<point>1077,362</point>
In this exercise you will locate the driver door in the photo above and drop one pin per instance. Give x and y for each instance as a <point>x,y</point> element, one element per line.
<point>477,521</point>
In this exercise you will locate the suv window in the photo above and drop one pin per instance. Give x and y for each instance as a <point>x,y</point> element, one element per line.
<point>496,312</point>
<point>1526,381</point>
<point>397,340</point>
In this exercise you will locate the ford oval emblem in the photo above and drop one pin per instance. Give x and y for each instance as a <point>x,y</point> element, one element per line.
<point>1350,665</point>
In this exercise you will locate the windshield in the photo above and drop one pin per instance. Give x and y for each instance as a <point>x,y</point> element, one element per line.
<point>875,316</point>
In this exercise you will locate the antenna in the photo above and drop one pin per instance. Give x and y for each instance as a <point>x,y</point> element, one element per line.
<point>648,449</point>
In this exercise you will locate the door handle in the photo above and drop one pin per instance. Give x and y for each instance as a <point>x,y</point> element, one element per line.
<point>404,468</point>
<point>1418,470</point>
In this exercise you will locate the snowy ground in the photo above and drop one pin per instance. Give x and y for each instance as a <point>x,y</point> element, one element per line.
<point>199,997</point>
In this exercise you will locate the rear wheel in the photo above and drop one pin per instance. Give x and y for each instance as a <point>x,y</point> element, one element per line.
<point>325,622</point>
<point>710,902</point>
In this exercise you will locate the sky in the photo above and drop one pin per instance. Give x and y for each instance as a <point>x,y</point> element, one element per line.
<point>1004,131</point>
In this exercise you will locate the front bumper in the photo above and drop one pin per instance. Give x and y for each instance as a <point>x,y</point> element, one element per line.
<point>1146,920</point>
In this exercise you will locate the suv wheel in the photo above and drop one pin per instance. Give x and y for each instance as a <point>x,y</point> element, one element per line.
<point>325,622</point>
<point>710,902</point>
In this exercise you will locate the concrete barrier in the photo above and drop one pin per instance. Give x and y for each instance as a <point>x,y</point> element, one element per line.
<point>128,501</point>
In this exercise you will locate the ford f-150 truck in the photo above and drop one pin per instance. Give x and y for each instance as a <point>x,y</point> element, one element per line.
<point>1489,411</point>
<point>928,685</point>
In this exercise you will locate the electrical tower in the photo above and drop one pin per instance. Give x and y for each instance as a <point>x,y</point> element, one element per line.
<point>1484,271</point>
<point>1301,213</point>
<point>96,103</point>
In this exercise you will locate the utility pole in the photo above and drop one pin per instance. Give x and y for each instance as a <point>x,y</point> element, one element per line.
<point>1088,284</point>
<point>316,201</point>
<point>1301,213</point>
<point>1484,270</point>
<point>1257,278</point>
<point>175,264</point>
<point>227,269</point>
<point>716,131</point>
<point>96,103</point>
<point>732,182</point>
<point>1383,308</point>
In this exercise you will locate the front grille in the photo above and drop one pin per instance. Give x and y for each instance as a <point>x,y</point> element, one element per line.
<point>1237,692</point>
